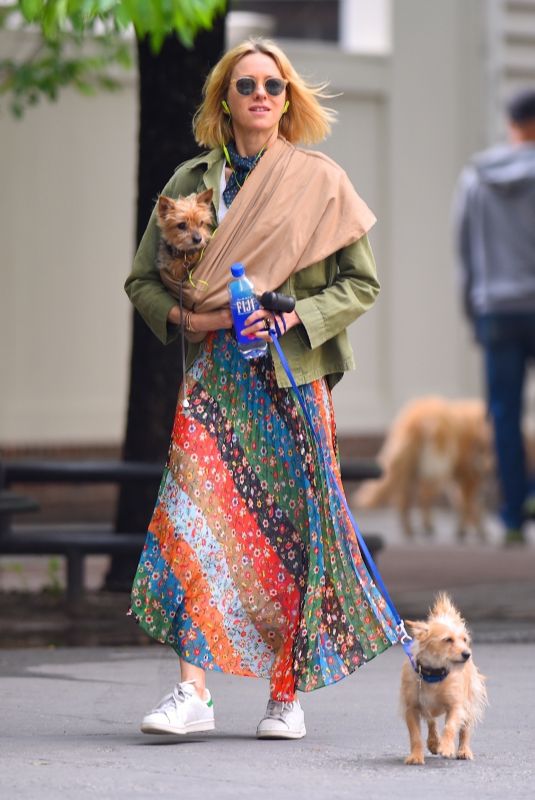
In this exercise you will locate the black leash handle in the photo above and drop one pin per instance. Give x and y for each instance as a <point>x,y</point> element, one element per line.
<point>275,301</point>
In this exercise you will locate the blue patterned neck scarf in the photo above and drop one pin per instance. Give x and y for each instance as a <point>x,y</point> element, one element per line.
<point>241,167</point>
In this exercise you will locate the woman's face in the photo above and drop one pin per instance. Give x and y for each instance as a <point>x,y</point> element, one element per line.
<point>258,112</point>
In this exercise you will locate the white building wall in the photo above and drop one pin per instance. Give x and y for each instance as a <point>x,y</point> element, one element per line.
<point>365,26</point>
<point>438,115</point>
<point>67,203</point>
<point>512,55</point>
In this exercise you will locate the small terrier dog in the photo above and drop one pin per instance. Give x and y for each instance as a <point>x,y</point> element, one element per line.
<point>434,446</point>
<point>446,681</point>
<point>186,228</point>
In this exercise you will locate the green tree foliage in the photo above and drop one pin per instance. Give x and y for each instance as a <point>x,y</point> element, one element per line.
<point>81,43</point>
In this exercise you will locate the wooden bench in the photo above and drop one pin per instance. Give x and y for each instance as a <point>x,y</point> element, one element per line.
<point>76,541</point>
<point>38,471</point>
<point>12,504</point>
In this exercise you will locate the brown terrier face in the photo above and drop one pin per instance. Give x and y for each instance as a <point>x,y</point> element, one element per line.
<point>441,643</point>
<point>186,223</point>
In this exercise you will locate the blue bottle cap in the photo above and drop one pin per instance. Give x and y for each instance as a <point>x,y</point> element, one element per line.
<point>237,270</point>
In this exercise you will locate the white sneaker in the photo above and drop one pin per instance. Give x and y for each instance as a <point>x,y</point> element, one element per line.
<point>282,721</point>
<point>182,711</point>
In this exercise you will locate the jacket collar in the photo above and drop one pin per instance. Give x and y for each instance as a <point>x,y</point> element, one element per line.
<point>212,177</point>
<point>213,160</point>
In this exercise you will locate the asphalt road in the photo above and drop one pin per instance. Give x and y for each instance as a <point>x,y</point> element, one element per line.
<point>70,730</point>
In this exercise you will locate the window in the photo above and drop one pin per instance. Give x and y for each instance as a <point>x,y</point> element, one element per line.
<point>297,19</point>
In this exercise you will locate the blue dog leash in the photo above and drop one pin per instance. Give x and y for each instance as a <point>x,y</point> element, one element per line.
<point>403,637</point>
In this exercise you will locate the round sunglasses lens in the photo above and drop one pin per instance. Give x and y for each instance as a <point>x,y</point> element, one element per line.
<point>245,85</point>
<point>274,86</point>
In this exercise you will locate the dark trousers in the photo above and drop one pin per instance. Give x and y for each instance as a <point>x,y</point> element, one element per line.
<point>508,342</point>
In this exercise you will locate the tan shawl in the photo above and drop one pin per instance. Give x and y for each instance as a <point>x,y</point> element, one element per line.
<point>296,208</point>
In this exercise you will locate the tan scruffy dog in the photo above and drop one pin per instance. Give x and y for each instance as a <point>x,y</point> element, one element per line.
<point>435,446</point>
<point>445,681</point>
<point>186,228</point>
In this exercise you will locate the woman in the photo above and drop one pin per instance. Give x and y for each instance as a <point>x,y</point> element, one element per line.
<point>251,565</point>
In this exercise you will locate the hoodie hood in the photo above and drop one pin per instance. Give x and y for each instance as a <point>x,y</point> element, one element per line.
<point>496,232</point>
<point>506,165</point>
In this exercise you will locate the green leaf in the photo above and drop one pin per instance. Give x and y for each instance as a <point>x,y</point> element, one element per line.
<point>122,17</point>
<point>49,19</point>
<point>107,83</point>
<point>30,9</point>
<point>67,25</point>
<point>123,56</point>
<point>84,87</point>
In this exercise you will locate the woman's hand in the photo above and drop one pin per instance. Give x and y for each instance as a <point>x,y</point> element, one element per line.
<point>204,321</point>
<point>258,323</point>
<point>211,320</point>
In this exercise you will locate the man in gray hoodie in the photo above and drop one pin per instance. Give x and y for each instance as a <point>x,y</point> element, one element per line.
<point>495,232</point>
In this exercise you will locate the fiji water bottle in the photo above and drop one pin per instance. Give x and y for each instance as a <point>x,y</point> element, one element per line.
<point>243,302</point>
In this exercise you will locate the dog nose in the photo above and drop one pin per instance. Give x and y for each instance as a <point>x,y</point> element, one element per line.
<point>196,238</point>
<point>466,655</point>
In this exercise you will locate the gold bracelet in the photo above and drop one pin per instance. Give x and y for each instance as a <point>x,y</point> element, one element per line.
<point>187,323</point>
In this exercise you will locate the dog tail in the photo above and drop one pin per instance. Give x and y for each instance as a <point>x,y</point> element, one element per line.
<point>478,696</point>
<point>372,493</point>
<point>399,464</point>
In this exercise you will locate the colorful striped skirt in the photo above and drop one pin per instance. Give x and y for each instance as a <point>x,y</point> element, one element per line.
<point>251,564</point>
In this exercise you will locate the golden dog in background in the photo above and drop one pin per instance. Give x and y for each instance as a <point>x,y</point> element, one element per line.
<point>446,682</point>
<point>434,447</point>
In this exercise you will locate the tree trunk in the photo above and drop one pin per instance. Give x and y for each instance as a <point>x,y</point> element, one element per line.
<point>170,85</point>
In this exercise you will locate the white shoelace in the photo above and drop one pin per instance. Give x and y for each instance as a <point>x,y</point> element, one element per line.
<point>171,701</point>
<point>278,709</point>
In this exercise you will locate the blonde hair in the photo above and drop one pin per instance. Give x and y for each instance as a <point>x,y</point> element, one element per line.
<point>306,120</point>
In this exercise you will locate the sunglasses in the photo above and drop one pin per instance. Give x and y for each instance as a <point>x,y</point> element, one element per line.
<point>273,86</point>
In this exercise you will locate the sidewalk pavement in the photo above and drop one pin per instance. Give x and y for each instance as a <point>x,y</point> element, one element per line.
<point>71,715</point>
<point>70,728</point>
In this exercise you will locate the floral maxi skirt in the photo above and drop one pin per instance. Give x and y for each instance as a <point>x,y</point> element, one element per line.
<point>251,564</point>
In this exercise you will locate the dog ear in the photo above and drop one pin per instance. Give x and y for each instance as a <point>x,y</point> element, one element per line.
<point>205,197</point>
<point>165,204</point>
<point>418,628</point>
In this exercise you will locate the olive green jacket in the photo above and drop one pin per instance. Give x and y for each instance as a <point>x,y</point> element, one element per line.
<point>330,295</point>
